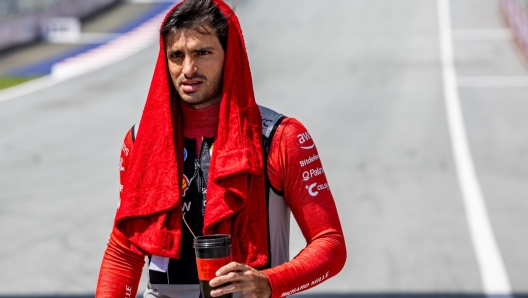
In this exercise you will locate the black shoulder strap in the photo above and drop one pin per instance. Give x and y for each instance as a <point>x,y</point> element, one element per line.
<point>270,122</point>
<point>134,131</point>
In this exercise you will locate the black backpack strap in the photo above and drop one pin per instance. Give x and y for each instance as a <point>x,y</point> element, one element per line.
<point>134,131</point>
<point>270,122</point>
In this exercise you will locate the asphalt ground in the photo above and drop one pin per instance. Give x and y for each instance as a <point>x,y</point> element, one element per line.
<point>366,79</point>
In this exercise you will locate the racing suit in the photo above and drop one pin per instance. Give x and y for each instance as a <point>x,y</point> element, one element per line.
<point>295,183</point>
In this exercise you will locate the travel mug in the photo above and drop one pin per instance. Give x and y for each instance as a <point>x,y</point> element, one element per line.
<point>212,253</point>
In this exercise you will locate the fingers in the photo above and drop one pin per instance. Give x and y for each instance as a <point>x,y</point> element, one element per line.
<point>231,272</point>
<point>233,277</point>
<point>242,278</point>
<point>233,266</point>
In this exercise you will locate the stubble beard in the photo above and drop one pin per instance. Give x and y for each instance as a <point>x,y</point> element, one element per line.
<point>203,98</point>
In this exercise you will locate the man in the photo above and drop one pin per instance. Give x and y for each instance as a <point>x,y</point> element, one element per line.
<point>200,155</point>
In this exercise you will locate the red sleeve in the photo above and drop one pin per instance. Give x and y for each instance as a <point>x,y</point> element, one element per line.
<point>296,170</point>
<point>122,261</point>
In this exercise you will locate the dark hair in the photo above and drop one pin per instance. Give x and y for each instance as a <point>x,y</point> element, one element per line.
<point>195,15</point>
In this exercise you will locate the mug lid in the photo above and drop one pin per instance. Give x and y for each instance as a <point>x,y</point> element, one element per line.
<point>212,240</point>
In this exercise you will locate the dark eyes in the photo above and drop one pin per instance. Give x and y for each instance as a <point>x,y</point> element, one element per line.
<point>199,53</point>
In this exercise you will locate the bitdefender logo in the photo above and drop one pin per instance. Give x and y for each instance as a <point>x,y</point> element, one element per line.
<point>309,160</point>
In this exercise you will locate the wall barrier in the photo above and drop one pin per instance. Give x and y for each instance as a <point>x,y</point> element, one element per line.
<point>25,25</point>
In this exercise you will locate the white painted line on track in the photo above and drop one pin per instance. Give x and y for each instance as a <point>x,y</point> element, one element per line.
<point>90,38</point>
<point>493,82</point>
<point>482,34</point>
<point>492,270</point>
<point>115,50</point>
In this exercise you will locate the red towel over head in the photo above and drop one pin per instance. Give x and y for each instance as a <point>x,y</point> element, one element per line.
<point>150,209</point>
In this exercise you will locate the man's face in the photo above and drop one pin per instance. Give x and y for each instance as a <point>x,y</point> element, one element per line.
<point>196,62</point>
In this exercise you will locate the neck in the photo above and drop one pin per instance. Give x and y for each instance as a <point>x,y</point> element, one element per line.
<point>198,124</point>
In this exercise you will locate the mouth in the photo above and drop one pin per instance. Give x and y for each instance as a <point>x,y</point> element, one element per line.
<point>190,86</point>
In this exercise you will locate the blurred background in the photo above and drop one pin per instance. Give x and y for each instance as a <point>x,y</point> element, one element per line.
<point>418,109</point>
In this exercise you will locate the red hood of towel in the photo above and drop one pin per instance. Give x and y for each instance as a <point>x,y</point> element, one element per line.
<point>236,203</point>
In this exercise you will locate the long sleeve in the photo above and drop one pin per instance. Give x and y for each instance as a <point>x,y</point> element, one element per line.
<point>296,170</point>
<point>121,268</point>
<point>122,261</point>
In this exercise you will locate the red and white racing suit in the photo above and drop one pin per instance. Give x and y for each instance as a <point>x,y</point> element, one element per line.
<point>298,185</point>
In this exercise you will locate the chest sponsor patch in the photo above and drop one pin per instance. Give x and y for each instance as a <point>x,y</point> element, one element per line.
<point>184,185</point>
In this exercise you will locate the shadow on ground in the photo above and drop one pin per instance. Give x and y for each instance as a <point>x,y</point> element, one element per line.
<point>328,295</point>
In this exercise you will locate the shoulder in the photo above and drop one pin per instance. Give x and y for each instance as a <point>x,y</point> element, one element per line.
<point>270,121</point>
<point>283,129</point>
<point>294,134</point>
<point>128,142</point>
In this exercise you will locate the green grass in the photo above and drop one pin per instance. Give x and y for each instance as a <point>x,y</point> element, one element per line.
<point>6,82</point>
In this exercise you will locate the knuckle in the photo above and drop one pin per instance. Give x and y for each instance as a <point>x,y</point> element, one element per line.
<point>232,275</point>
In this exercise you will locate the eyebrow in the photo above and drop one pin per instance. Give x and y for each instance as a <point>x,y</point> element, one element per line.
<point>201,49</point>
<point>170,51</point>
<point>198,49</point>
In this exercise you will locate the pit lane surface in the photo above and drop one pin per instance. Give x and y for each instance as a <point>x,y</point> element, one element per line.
<point>365,77</point>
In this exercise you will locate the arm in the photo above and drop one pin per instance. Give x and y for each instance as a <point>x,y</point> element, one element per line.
<point>298,173</point>
<point>122,261</point>
<point>296,170</point>
<point>121,268</point>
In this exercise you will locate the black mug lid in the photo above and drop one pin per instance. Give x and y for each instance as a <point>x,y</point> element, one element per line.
<point>212,241</point>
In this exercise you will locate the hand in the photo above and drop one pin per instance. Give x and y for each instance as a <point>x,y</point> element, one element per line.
<point>252,283</point>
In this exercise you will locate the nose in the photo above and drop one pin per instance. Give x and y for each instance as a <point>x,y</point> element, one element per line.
<point>189,68</point>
